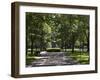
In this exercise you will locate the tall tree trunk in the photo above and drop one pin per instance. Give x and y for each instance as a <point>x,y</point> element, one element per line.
<point>88,45</point>
<point>87,42</point>
<point>73,43</point>
<point>73,48</point>
<point>80,49</point>
<point>31,45</point>
<point>62,44</point>
<point>26,46</point>
<point>82,46</point>
<point>41,46</point>
<point>65,46</point>
<point>26,42</point>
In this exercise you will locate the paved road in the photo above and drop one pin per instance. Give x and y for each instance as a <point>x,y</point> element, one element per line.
<point>53,59</point>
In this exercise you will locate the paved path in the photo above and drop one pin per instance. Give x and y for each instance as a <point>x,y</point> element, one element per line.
<point>53,59</point>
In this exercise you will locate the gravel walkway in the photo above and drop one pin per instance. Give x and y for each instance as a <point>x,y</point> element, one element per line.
<point>53,59</point>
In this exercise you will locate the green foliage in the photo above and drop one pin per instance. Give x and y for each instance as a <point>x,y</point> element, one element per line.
<point>68,31</point>
<point>53,49</point>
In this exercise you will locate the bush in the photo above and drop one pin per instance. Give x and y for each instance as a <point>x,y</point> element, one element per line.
<point>36,53</point>
<point>53,49</point>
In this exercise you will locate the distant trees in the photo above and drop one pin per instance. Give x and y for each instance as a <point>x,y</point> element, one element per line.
<point>64,29</point>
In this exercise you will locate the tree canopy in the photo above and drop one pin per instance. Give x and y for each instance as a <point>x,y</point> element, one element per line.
<point>47,30</point>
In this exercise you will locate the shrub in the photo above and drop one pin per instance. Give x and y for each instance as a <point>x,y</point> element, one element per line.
<point>53,49</point>
<point>36,53</point>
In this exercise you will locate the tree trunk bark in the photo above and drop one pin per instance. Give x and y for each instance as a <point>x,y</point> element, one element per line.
<point>73,43</point>
<point>62,43</point>
<point>26,46</point>
<point>82,46</point>
<point>31,45</point>
<point>80,49</point>
<point>65,46</point>
<point>88,44</point>
<point>73,48</point>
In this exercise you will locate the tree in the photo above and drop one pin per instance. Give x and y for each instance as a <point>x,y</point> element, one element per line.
<point>42,29</point>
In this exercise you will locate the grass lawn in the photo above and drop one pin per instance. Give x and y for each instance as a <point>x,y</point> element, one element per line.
<point>81,57</point>
<point>30,58</point>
